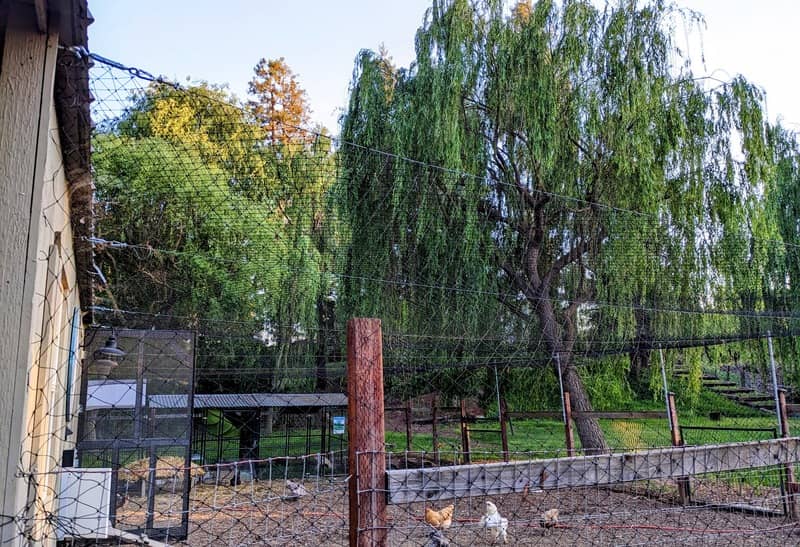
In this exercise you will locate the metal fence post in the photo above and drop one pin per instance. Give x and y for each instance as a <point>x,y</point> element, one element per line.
<point>791,485</point>
<point>666,387</point>
<point>775,384</point>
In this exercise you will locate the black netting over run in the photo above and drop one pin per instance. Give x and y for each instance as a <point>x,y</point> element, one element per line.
<point>563,363</point>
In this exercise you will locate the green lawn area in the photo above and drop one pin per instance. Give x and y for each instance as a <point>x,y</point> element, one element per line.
<point>545,438</point>
<point>528,438</point>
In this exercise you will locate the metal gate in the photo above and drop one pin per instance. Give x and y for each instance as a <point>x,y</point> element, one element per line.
<point>146,445</point>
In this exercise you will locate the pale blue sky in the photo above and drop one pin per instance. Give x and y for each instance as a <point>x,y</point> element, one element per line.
<point>220,42</point>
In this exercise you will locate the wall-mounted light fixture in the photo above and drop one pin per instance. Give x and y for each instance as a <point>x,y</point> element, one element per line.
<point>106,358</point>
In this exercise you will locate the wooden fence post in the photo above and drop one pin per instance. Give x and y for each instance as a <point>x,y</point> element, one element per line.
<point>683,482</point>
<point>568,425</point>
<point>791,485</point>
<point>365,429</point>
<point>465,433</point>
<point>673,420</point>
<point>434,432</point>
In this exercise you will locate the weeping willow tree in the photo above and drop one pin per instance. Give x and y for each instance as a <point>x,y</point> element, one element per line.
<point>534,118</point>
<point>781,287</point>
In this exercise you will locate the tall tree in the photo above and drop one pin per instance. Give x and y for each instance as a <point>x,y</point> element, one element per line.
<point>306,168</point>
<point>280,104</point>
<point>215,227</point>
<point>781,285</point>
<point>546,127</point>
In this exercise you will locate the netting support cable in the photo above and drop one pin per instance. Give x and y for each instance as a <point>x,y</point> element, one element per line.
<point>666,387</point>
<point>774,383</point>
<point>497,393</point>
<point>561,388</point>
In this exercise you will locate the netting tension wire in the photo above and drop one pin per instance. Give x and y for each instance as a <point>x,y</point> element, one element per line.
<point>666,388</point>
<point>497,392</point>
<point>775,384</point>
<point>561,389</point>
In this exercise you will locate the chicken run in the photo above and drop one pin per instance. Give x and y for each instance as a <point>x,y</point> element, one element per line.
<point>315,512</point>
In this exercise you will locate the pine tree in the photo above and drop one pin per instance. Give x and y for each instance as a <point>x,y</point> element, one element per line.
<point>280,104</point>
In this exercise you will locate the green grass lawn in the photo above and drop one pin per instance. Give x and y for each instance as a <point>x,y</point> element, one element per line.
<point>546,437</point>
<point>528,438</point>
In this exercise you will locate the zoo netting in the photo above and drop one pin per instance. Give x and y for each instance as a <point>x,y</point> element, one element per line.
<point>227,264</point>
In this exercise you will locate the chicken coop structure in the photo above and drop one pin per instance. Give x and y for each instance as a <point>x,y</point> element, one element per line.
<point>258,426</point>
<point>123,429</point>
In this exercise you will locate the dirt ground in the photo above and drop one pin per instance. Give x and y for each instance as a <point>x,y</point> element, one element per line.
<point>724,513</point>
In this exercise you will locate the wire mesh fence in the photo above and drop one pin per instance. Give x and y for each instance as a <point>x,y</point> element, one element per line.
<point>561,501</point>
<point>583,502</point>
<point>737,508</point>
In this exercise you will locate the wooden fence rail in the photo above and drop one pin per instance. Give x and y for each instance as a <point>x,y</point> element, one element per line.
<point>441,483</point>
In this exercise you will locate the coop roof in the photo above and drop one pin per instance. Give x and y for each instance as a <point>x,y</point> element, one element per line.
<point>249,400</point>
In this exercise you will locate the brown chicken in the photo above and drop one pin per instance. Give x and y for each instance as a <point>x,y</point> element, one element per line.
<point>441,519</point>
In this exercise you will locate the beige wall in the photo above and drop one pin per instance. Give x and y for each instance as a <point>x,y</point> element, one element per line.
<point>37,283</point>
<point>55,299</point>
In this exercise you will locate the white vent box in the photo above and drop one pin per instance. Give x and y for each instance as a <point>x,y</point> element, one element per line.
<point>84,501</point>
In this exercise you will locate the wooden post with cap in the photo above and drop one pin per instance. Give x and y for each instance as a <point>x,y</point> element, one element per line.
<point>465,450</point>
<point>408,411</point>
<point>503,412</point>
<point>434,431</point>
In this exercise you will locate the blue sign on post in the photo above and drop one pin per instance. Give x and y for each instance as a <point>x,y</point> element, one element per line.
<point>338,425</point>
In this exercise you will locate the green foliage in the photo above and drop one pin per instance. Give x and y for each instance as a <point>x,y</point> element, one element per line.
<point>688,387</point>
<point>223,231</point>
<point>606,381</point>
<point>535,119</point>
<point>655,381</point>
<point>707,402</point>
<point>149,192</point>
<point>526,391</point>
<point>572,182</point>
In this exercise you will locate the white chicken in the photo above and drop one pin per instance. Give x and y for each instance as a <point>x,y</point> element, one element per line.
<point>495,524</point>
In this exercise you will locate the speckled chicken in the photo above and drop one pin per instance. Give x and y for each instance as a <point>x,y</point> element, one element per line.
<point>296,489</point>
<point>549,520</point>
<point>441,519</point>
<point>436,539</point>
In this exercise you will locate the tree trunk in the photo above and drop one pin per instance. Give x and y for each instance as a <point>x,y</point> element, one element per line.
<point>268,364</point>
<point>640,362</point>
<point>592,438</point>
<point>321,373</point>
<point>325,323</point>
<point>269,421</point>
